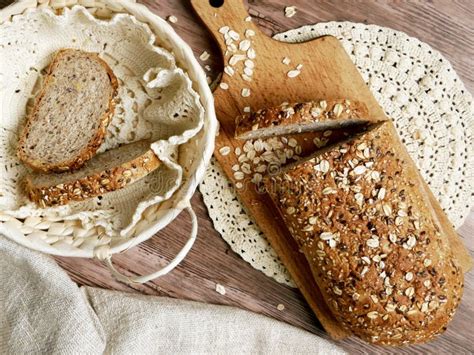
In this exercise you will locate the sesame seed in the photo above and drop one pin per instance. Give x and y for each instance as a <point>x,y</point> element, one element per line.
<point>387,210</point>
<point>281,307</point>
<point>381,194</point>
<point>427,283</point>
<point>323,104</point>
<point>248,19</point>
<point>409,276</point>
<point>248,71</point>
<point>286,61</point>
<point>245,92</point>
<point>337,290</point>
<point>290,210</point>
<point>247,109</point>
<point>239,185</point>
<point>235,59</point>
<point>224,86</point>
<point>427,262</point>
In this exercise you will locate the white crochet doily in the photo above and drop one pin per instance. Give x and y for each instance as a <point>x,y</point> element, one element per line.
<point>155,101</point>
<point>418,89</point>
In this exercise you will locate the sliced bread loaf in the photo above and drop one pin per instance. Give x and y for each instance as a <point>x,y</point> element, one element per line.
<point>71,113</point>
<point>301,117</point>
<point>106,172</point>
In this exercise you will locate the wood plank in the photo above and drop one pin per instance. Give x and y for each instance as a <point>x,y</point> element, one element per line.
<point>211,260</point>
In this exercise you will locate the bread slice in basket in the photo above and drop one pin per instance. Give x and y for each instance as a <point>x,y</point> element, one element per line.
<point>371,238</point>
<point>106,172</point>
<point>287,118</point>
<point>69,120</point>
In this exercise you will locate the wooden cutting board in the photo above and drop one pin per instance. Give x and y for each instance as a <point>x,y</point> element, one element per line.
<point>326,72</point>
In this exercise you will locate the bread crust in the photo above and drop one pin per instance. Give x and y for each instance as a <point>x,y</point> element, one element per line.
<point>88,151</point>
<point>336,110</point>
<point>95,184</point>
<point>372,239</point>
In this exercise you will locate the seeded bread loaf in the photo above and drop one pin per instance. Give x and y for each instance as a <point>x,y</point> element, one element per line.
<point>106,172</point>
<point>301,117</point>
<point>372,239</point>
<point>71,113</point>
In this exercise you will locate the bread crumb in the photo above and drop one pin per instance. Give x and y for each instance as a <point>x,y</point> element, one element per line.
<point>281,307</point>
<point>220,289</point>
<point>290,11</point>
<point>172,19</point>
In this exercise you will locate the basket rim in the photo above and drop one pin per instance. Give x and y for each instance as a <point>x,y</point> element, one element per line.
<point>183,195</point>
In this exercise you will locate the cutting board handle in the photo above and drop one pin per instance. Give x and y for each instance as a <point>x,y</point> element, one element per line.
<point>230,13</point>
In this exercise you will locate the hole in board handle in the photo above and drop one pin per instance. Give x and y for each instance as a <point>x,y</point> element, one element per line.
<point>216,3</point>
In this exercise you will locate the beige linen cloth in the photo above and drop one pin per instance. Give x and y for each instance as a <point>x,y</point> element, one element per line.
<point>43,311</point>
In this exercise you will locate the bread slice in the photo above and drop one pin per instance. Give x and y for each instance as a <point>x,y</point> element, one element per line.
<point>106,172</point>
<point>372,239</point>
<point>301,117</point>
<point>69,120</point>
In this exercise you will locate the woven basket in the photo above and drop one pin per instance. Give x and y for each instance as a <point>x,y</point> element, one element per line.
<point>66,238</point>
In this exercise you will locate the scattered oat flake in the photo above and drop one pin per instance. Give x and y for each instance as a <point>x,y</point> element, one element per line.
<point>229,70</point>
<point>286,61</point>
<point>224,150</point>
<point>234,35</point>
<point>249,64</point>
<point>248,71</point>
<point>246,77</point>
<point>224,86</point>
<point>172,19</point>
<point>244,45</point>
<point>245,92</point>
<point>249,33</point>
<point>290,11</point>
<point>204,56</point>
<point>236,58</point>
<point>220,289</point>
<point>281,307</point>
<point>293,73</point>
<point>224,29</point>
<point>251,54</point>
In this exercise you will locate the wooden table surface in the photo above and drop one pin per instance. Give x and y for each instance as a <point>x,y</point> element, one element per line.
<point>446,25</point>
